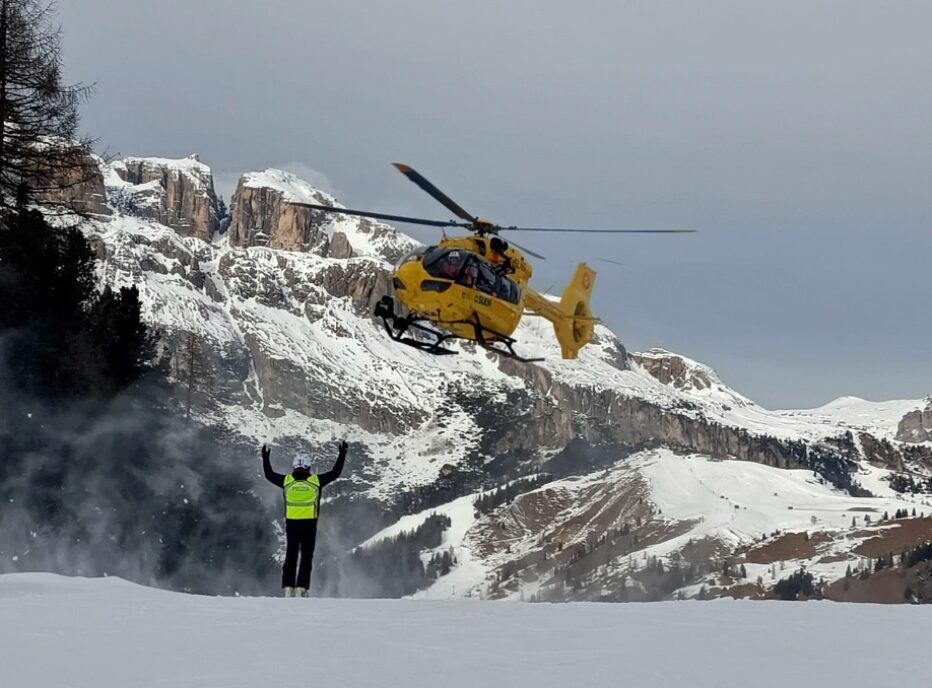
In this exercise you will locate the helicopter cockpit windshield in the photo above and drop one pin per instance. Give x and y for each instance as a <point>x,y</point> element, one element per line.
<point>411,255</point>
<point>471,271</point>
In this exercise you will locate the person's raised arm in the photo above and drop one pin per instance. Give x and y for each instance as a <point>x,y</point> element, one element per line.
<point>334,473</point>
<point>270,475</point>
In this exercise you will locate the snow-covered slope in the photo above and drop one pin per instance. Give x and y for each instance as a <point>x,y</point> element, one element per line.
<point>690,510</point>
<point>106,633</point>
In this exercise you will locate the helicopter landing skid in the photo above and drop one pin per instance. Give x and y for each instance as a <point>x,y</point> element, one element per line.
<point>493,341</point>
<point>399,327</point>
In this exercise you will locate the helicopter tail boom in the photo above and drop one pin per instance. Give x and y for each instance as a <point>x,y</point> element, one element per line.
<point>572,318</point>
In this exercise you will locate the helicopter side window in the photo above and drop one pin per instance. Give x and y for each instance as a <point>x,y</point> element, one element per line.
<point>506,290</point>
<point>485,280</point>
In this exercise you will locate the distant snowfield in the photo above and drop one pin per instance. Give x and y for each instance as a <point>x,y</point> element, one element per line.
<point>745,500</point>
<point>107,633</point>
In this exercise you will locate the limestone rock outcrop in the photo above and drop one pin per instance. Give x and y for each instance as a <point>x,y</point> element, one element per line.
<point>340,246</point>
<point>262,214</point>
<point>674,370</point>
<point>177,193</point>
<point>81,188</point>
<point>916,426</point>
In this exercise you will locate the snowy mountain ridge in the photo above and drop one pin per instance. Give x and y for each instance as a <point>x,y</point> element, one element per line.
<point>267,328</point>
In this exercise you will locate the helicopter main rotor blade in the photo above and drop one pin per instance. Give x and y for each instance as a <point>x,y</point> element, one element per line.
<point>526,250</point>
<point>384,216</point>
<point>438,195</point>
<point>597,231</point>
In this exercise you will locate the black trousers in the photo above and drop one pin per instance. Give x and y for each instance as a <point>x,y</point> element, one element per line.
<point>300,538</point>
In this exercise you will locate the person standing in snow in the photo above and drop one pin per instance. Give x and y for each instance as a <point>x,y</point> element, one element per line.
<point>301,490</point>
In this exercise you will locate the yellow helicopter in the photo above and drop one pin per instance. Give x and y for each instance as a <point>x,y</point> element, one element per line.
<point>475,287</point>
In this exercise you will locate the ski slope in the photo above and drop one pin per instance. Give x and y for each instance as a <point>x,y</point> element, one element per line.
<point>107,633</point>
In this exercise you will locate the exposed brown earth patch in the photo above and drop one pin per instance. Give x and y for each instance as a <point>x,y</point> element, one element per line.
<point>895,537</point>
<point>509,526</point>
<point>789,546</point>
<point>883,587</point>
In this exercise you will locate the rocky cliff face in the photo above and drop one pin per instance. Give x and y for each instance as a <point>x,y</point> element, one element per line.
<point>176,193</point>
<point>265,211</point>
<point>263,216</point>
<point>916,426</point>
<point>81,188</point>
<point>675,370</point>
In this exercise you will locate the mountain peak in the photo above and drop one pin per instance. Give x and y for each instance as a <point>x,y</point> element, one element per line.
<point>677,370</point>
<point>289,185</point>
<point>266,211</point>
<point>176,192</point>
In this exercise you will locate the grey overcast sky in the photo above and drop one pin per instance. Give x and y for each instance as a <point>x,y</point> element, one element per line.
<point>795,135</point>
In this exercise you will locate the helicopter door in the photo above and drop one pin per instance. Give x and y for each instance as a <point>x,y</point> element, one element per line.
<point>485,280</point>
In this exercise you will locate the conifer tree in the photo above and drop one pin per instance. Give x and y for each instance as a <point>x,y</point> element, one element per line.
<point>39,151</point>
<point>63,338</point>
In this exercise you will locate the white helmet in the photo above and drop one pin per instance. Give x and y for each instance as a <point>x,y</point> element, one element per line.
<point>301,462</point>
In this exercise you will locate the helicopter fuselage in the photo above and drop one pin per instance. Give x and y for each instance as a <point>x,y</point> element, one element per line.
<point>460,284</point>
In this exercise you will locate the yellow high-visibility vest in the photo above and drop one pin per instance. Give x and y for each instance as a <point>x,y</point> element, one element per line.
<point>302,497</point>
